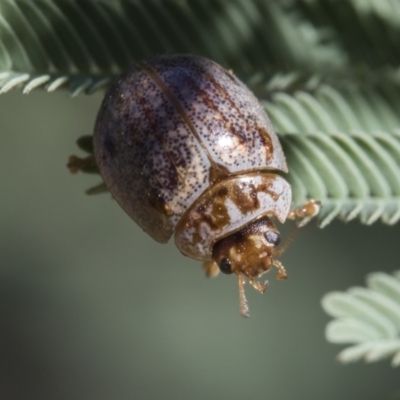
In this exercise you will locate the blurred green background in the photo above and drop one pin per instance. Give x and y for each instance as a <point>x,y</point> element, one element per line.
<point>92,308</point>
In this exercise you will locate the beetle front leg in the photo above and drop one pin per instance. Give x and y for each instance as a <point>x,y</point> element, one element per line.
<point>306,212</point>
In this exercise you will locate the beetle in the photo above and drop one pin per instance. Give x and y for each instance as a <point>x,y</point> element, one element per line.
<point>186,149</point>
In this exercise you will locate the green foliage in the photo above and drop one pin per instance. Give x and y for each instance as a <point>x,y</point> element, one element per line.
<point>326,72</point>
<point>87,43</point>
<point>343,147</point>
<point>370,318</point>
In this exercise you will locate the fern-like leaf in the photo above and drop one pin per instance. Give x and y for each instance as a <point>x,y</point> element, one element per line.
<point>364,32</point>
<point>367,317</point>
<point>85,44</point>
<point>342,146</point>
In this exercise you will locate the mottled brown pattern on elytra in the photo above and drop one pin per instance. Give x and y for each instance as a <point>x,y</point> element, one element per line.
<point>158,80</point>
<point>241,136</point>
<point>264,135</point>
<point>154,75</point>
<point>173,177</point>
<point>179,172</point>
<point>208,101</point>
<point>266,140</point>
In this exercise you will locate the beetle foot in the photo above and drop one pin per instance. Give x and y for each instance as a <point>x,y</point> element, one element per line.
<point>306,212</point>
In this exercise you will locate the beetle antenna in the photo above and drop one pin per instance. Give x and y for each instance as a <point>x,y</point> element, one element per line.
<point>243,306</point>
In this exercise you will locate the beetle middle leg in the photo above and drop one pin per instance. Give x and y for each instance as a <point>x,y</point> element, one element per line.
<point>84,164</point>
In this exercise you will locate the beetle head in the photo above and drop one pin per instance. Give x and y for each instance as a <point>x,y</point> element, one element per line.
<point>249,253</point>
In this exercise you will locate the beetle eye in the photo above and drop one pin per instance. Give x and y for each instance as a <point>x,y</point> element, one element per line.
<point>225,266</point>
<point>273,237</point>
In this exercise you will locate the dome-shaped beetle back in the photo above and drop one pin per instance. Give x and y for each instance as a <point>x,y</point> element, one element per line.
<point>171,128</point>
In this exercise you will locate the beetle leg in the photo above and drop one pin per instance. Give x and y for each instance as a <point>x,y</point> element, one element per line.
<point>306,212</point>
<point>211,269</point>
<point>85,143</point>
<point>87,164</point>
<point>282,274</point>
<point>98,189</point>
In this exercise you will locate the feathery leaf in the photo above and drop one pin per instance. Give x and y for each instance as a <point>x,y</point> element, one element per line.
<point>85,44</point>
<point>342,147</point>
<point>370,318</point>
